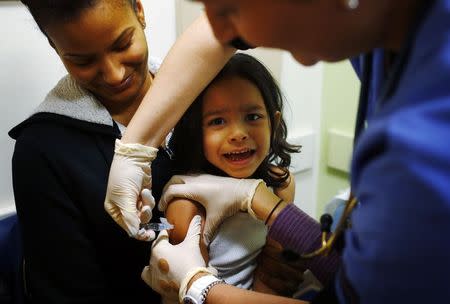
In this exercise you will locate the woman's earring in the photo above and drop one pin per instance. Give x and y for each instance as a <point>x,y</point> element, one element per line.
<point>352,4</point>
<point>143,24</point>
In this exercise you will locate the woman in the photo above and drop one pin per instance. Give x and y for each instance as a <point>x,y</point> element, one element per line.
<point>401,165</point>
<point>74,252</point>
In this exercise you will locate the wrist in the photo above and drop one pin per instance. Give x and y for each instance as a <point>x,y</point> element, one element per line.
<point>195,278</point>
<point>189,280</point>
<point>274,208</point>
<point>135,150</point>
<point>266,205</point>
<point>275,212</point>
<point>200,288</point>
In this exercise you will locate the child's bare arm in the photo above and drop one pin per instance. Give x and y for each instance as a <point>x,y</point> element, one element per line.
<point>286,191</point>
<point>180,213</point>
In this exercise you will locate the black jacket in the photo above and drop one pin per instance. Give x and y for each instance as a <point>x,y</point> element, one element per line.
<point>74,251</point>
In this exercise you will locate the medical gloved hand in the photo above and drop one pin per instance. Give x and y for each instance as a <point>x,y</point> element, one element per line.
<point>171,267</point>
<point>221,197</point>
<point>128,196</point>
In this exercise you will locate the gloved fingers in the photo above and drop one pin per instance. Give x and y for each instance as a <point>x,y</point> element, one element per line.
<point>194,230</point>
<point>147,198</point>
<point>145,214</point>
<point>176,179</point>
<point>168,289</point>
<point>165,287</point>
<point>161,240</point>
<point>212,223</point>
<point>146,275</point>
<point>148,203</point>
<point>145,235</point>
<point>147,169</point>
<point>146,174</point>
<point>131,222</point>
<point>171,192</point>
<point>112,210</point>
<point>116,215</point>
<point>248,187</point>
<point>146,181</point>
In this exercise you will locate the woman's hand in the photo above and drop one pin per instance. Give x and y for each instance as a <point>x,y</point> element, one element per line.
<point>129,186</point>
<point>221,197</point>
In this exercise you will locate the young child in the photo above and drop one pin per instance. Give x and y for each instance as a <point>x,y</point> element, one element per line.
<point>234,128</point>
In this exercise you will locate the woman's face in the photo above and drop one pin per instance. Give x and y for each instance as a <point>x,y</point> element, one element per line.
<point>236,127</point>
<point>105,51</point>
<point>311,30</point>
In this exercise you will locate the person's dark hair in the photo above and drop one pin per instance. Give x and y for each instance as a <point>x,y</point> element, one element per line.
<point>46,12</point>
<point>186,142</point>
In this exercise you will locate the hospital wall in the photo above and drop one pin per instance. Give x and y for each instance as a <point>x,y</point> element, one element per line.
<point>338,112</point>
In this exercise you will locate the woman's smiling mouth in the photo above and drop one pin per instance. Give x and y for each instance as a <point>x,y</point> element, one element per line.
<point>124,85</point>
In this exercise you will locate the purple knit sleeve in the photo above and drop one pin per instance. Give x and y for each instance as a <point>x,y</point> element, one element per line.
<point>297,231</point>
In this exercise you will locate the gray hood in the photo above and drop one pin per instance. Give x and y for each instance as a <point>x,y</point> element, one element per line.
<point>67,98</point>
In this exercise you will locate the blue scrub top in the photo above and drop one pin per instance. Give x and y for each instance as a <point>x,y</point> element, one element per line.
<point>398,249</point>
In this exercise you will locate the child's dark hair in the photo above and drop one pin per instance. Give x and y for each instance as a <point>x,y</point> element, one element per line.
<point>47,12</point>
<point>187,140</point>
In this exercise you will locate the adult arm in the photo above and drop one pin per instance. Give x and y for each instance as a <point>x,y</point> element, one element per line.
<point>294,230</point>
<point>223,293</point>
<point>274,274</point>
<point>192,62</point>
<point>167,269</point>
<point>288,225</point>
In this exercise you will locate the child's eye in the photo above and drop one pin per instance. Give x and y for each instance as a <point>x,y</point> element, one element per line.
<point>216,122</point>
<point>253,116</point>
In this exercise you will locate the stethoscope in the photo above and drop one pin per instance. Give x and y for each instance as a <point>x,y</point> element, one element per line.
<point>328,239</point>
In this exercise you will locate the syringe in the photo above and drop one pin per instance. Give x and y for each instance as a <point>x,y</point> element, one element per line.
<point>158,226</point>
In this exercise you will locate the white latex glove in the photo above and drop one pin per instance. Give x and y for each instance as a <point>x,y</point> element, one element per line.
<point>171,267</point>
<point>221,197</point>
<point>128,188</point>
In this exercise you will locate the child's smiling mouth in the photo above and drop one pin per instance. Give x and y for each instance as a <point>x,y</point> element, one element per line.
<point>239,155</point>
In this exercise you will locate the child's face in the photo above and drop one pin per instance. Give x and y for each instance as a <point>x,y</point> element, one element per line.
<point>236,127</point>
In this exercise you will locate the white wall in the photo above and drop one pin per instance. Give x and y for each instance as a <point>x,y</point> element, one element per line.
<point>29,68</point>
<point>302,87</point>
